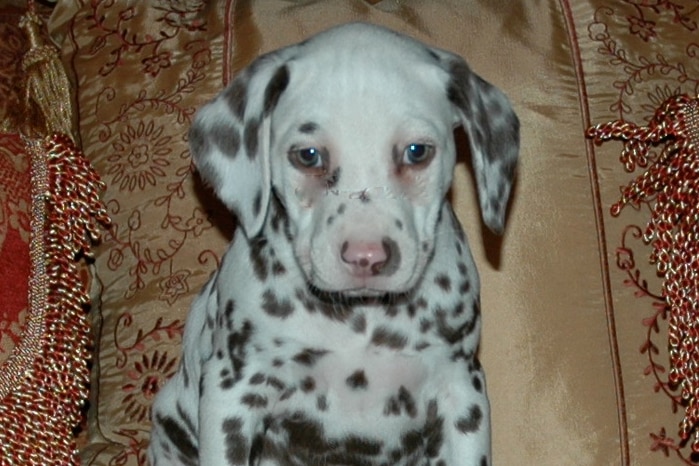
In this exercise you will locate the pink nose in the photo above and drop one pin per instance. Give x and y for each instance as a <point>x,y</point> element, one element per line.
<point>365,257</point>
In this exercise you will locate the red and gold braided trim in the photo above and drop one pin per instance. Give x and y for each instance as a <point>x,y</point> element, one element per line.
<point>670,186</point>
<point>46,385</point>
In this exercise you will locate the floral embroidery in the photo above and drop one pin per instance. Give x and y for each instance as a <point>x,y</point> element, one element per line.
<point>642,28</point>
<point>659,96</point>
<point>174,286</point>
<point>638,71</point>
<point>134,448</point>
<point>155,63</point>
<point>110,39</point>
<point>182,13</point>
<point>147,376</point>
<point>141,156</point>
<point>198,222</point>
<point>128,342</point>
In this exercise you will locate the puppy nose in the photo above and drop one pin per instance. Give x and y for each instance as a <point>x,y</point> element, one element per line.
<point>367,258</point>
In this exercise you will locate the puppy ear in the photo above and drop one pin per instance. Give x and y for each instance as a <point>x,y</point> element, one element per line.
<point>493,130</point>
<point>230,137</point>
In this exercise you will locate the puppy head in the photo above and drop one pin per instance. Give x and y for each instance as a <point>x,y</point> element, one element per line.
<point>353,131</point>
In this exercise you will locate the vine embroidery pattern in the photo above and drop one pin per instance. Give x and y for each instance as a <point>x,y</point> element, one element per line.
<point>645,70</point>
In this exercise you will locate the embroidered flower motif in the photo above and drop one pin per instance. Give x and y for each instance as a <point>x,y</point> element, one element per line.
<point>141,154</point>
<point>642,28</point>
<point>658,97</point>
<point>174,286</point>
<point>198,222</point>
<point>147,376</point>
<point>183,13</point>
<point>157,62</point>
<point>138,156</point>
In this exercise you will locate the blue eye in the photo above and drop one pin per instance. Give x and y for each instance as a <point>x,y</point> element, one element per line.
<point>307,157</point>
<point>415,154</point>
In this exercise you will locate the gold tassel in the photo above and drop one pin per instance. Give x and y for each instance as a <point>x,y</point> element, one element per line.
<point>46,85</point>
<point>41,407</point>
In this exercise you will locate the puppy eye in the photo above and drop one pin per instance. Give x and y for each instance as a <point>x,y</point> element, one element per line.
<point>307,157</point>
<point>417,154</point>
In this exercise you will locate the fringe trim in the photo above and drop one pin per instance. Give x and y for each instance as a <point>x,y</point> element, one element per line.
<point>670,186</point>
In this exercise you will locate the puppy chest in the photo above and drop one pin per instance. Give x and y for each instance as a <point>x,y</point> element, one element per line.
<point>361,382</point>
<point>358,406</point>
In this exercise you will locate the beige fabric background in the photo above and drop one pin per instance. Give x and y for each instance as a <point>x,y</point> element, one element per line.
<point>563,341</point>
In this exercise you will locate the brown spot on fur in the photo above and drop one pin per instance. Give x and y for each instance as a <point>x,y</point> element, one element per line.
<point>471,422</point>
<point>385,337</point>
<point>357,380</point>
<point>275,88</point>
<point>309,356</point>
<point>253,400</point>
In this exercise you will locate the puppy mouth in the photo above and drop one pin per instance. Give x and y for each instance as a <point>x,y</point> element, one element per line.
<point>360,296</point>
<point>363,290</point>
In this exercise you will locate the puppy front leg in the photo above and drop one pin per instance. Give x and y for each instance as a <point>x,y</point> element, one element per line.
<point>228,425</point>
<point>173,439</point>
<point>467,421</point>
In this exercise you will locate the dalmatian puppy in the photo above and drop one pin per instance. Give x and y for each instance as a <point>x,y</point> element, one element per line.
<point>343,324</point>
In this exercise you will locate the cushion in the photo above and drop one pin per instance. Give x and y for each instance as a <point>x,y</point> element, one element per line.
<point>573,340</point>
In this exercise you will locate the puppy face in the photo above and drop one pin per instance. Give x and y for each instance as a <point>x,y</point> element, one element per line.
<point>361,158</point>
<point>352,132</point>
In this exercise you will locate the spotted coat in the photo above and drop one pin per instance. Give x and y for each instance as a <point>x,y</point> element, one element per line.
<point>343,324</point>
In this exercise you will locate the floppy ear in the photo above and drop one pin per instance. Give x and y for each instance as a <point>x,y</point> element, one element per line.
<point>493,130</point>
<point>229,139</point>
